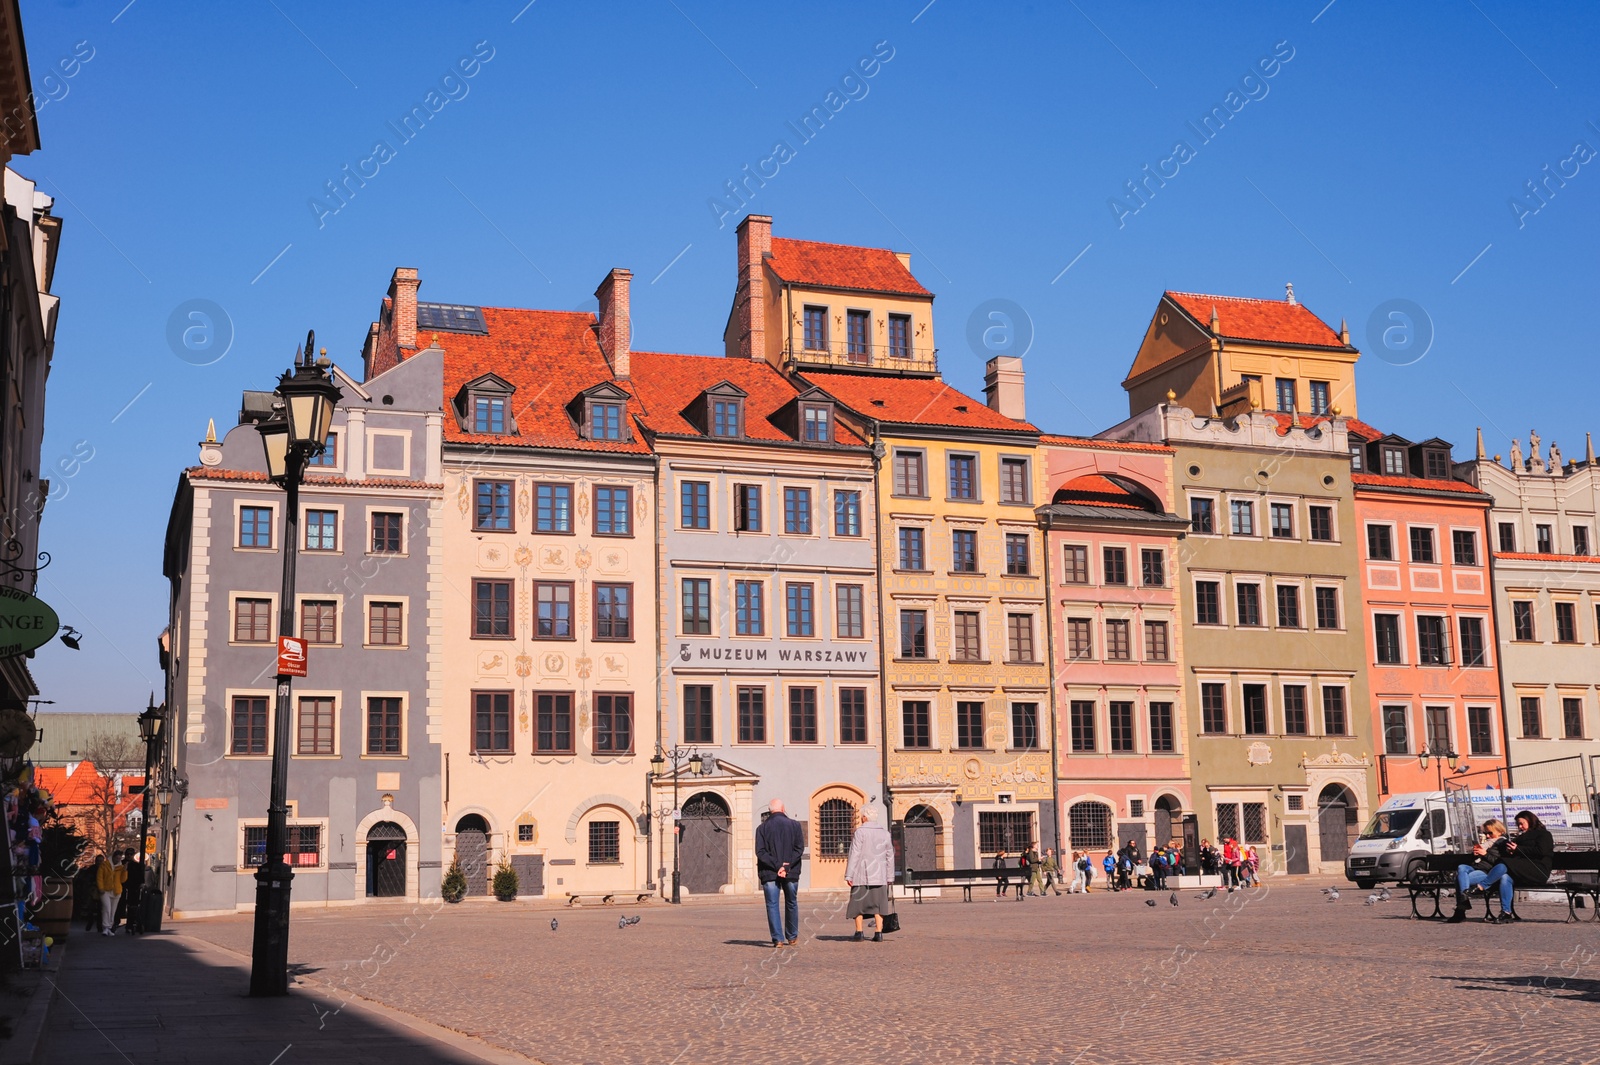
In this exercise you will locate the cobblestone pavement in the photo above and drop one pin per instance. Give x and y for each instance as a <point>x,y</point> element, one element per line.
<point>1274,974</point>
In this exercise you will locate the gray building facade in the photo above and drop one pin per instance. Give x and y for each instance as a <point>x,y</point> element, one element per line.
<point>364,782</point>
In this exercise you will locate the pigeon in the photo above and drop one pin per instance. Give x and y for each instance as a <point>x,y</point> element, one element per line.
<point>634,920</point>
<point>553,924</point>
<point>1383,895</point>
<point>1173,898</point>
<point>1206,894</point>
<point>622,922</point>
<point>1149,902</point>
<point>1372,900</point>
<point>1332,893</point>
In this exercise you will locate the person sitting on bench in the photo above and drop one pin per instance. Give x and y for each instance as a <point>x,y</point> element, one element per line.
<point>1525,861</point>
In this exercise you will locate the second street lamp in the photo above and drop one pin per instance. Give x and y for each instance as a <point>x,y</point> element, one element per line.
<point>290,439</point>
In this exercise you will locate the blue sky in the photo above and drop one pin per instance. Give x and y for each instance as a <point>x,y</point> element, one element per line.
<point>1377,163</point>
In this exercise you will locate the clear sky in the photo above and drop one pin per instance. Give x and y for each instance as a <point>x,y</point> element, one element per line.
<point>1377,161</point>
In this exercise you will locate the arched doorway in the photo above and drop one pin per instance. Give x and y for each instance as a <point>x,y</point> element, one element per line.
<point>705,844</point>
<point>386,861</point>
<point>1337,826</point>
<point>920,849</point>
<point>1168,813</point>
<point>833,824</point>
<point>472,851</point>
<point>1089,826</point>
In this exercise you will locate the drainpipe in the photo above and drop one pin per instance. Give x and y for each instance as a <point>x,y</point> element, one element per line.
<point>1494,636</point>
<point>663,595</point>
<point>1050,664</point>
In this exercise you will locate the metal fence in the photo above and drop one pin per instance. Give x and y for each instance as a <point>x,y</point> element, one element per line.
<point>1562,791</point>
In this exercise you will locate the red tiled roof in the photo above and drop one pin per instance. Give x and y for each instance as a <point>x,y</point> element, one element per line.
<point>1528,556</point>
<point>667,384</point>
<point>809,262</point>
<point>1275,321</point>
<point>1058,440</point>
<point>84,787</point>
<point>1428,483</point>
<point>914,401</point>
<point>1100,491</point>
<point>1306,421</point>
<point>550,356</point>
<point>312,480</point>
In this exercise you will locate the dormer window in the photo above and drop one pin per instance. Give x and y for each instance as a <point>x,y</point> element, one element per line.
<point>1394,462</point>
<point>1355,457</point>
<point>601,413</point>
<point>483,405</point>
<point>727,417</point>
<point>1436,464</point>
<point>816,423</point>
<point>489,414</point>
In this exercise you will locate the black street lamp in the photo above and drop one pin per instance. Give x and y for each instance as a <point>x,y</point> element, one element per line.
<point>1449,756</point>
<point>150,726</point>
<point>700,765</point>
<point>290,439</point>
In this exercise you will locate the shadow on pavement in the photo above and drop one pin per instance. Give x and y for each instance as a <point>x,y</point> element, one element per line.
<point>1568,987</point>
<point>168,998</point>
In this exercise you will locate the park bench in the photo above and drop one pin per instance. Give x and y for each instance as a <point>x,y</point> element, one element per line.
<point>606,899</point>
<point>915,881</point>
<point>1576,874</point>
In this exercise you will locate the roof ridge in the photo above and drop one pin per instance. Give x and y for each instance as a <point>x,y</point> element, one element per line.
<point>834,244</point>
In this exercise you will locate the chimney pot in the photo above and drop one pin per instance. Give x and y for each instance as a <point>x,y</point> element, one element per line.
<point>750,299</point>
<point>1003,386</point>
<point>615,320</point>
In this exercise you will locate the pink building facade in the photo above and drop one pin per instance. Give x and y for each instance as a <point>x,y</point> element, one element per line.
<point>1122,764</point>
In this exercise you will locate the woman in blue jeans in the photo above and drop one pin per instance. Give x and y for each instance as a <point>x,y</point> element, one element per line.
<point>1486,871</point>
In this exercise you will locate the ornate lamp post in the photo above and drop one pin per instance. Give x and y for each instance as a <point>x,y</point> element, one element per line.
<point>290,438</point>
<point>1449,757</point>
<point>699,765</point>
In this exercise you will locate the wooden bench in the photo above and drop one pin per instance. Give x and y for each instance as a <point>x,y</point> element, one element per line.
<point>1576,874</point>
<point>914,880</point>
<point>574,896</point>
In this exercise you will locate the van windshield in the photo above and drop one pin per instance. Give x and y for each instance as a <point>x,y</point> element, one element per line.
<point>1391,824</point>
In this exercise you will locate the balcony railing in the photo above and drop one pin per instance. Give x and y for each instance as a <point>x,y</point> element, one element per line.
<point>848,355</point>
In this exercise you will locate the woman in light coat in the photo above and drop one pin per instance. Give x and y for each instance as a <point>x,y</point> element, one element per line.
<point>869,871</point>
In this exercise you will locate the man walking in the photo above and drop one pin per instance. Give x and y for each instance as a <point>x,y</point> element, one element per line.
<point>109,879</point>
<point>780,844</point>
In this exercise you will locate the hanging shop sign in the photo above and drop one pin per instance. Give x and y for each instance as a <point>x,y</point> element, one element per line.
<point>26,622</point>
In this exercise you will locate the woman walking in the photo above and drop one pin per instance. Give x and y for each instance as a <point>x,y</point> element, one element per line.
<point>869,871</point>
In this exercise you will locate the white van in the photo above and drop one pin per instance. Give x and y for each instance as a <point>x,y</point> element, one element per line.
<point>1407,828</point>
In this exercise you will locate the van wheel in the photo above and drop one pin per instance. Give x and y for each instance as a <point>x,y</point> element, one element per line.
<point>1366,885</point>
<point>1413,868</point>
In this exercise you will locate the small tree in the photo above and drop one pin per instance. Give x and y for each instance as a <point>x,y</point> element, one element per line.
<point>454,886</point>
<point>505,881</point>
<point>104,820</point>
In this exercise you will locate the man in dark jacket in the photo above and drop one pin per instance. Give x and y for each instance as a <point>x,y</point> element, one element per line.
<point>780,845</point>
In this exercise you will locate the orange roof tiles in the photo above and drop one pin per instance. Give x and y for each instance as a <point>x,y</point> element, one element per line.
<point>914,401</point>
<point>1306,421</point>
<point>1426,483</point>
<point>1273,321</point>
<point>1058,440</point>
<point>809,262</point>
<point>665,385</point>
<point>84,786</point>
<point>550,356</point>
<point>1098,490</point>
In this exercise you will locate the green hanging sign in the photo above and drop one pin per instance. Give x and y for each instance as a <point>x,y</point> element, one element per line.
<point>26,622</point>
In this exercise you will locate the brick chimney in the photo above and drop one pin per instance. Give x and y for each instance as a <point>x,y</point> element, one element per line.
<point>615,325</point>
<point>1002,386</point>
<point>750,299</point>
<point>396,338</point>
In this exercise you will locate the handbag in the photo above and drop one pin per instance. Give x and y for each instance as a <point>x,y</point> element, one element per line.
<point>891,921</point>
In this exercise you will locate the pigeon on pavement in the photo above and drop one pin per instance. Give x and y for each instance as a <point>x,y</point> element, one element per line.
<point>1372,900</point>
<point>1332,893</point>
<point>1383,895</point>
<point>1206,894</point>
<point>1173,898</point>
<point>1149,902</point>
<point>622,922</point>
<point>553,923</point>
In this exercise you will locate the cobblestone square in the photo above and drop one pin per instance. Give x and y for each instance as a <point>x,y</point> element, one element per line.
<point>1273,974</point>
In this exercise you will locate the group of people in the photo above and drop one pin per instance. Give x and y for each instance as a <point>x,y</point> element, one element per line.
<point>1039,873</point>
<point>869,870</point>
<point>1502,863</point>
<point>1239,866</point>
<point>107,893</point>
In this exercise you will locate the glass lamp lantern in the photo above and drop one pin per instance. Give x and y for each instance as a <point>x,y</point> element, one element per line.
<point>275,440</point>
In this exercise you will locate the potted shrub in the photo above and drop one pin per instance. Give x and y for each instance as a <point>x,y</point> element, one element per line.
<point>505,881</point>
<point>454,885</point>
